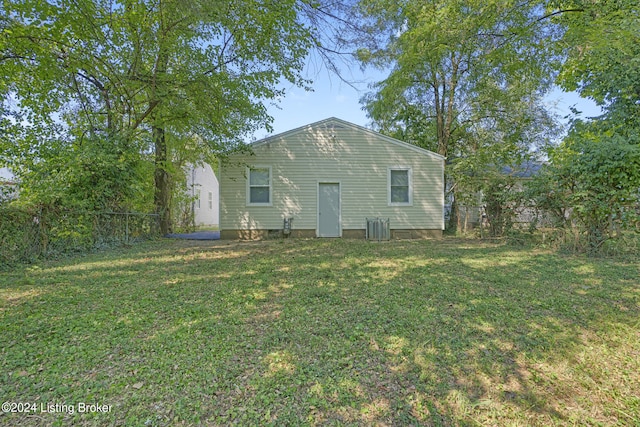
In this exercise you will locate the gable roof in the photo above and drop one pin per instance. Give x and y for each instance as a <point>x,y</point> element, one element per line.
<point>526,169</point>
<point>336,123</point>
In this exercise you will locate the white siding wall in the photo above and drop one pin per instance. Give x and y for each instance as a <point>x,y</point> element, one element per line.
<point>202,179</point>
<point>357,159</point>
<point>8,185</point>
<point>6,175</point>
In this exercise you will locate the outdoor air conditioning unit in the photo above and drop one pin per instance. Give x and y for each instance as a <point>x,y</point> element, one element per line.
<point>378,229</point>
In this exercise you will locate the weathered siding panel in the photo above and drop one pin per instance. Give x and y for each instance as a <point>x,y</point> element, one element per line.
<point>358,160</point>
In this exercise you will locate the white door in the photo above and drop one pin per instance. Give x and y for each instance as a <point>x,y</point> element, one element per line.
<point>329,210</point>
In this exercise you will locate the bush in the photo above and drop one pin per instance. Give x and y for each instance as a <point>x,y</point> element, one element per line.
<point>29,234</point>
<point>500,199</point>
<point>591,188</point>
<point>19,236</point>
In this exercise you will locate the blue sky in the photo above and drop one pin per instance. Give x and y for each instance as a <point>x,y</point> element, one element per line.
<point>332,97</point>
<point>5,173</point>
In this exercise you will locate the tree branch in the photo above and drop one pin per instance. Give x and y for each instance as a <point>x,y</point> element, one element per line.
<point>558,12</point>
<point>152,105</point>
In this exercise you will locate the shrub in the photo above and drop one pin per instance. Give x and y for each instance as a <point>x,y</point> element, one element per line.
<point>592,185</point>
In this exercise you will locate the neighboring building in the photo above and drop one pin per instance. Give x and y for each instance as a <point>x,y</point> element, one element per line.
<point>524,171</point>
<point>471,216</point>
<point>203,188</point>
<point>8,185</point>
<point>523,174</point>
<point>329,177</point>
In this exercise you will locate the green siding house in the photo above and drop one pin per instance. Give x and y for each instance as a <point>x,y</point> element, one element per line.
<point>329,177</point>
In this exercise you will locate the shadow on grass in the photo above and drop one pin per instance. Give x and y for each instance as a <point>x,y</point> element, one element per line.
<point>326,333</point>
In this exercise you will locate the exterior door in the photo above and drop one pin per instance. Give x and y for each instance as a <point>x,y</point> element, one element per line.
<point>329,210</point>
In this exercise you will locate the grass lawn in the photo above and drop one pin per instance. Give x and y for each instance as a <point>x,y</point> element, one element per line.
<point>322,332</point>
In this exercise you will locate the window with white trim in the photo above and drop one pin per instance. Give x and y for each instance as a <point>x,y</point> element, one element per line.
<point>210,200</point>
<point>197,201</point>
<point>400,186</point>
<point>259,185</point>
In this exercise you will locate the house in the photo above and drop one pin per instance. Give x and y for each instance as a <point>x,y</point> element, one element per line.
<point>8,185</point>
<point>472,214</point>
<point>329,177</point>
<point>203,192</point>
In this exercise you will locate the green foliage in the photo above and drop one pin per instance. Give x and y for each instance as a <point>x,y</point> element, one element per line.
<point>198,66</point>
<point>31,234</point>
<point>548,193</point>
<point>93,175</point>
<point>466,81</point>
<point>500,199</point>
<point>151,75</point>
<point>18,236</point>
<point>602,56</point>
<point>606,181</point>
<point>593,181</point>
<point>493,190</point>
<point>464,74</point>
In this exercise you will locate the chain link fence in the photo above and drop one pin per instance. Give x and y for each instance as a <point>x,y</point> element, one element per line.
<point>27,235</point>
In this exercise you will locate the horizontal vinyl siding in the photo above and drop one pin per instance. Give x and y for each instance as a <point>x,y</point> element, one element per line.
<point>203,179</point>
<point>358,160</point>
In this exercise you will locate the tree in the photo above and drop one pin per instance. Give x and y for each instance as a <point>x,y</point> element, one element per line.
<point>593,177</point>
<point>466,78</point>
<point>601,48</point>
<point>146,76</point>
<point>593,180</point>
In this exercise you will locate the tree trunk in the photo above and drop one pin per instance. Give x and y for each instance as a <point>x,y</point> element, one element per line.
<point>162,194</point>
<point>162,176</point>
<point>453,215</point>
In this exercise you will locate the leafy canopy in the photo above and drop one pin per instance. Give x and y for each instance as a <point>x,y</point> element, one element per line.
<point>463,74</point>
<point>134,82</point>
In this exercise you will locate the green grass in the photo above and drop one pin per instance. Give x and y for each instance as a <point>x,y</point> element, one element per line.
<point>324,332</point>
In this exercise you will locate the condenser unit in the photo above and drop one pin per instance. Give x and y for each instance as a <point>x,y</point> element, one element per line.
<point>378,229</point>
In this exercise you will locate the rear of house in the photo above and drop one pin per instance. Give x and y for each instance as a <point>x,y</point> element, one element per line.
<point>329,177</point>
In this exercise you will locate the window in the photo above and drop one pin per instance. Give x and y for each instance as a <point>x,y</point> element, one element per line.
<point>210,200</point>
<point>400,187</point>
<point>259,186</point>
<point>197,201</point>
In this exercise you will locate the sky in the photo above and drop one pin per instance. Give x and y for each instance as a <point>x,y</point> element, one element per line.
<point>5,174</point>
<point>332,97</point>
